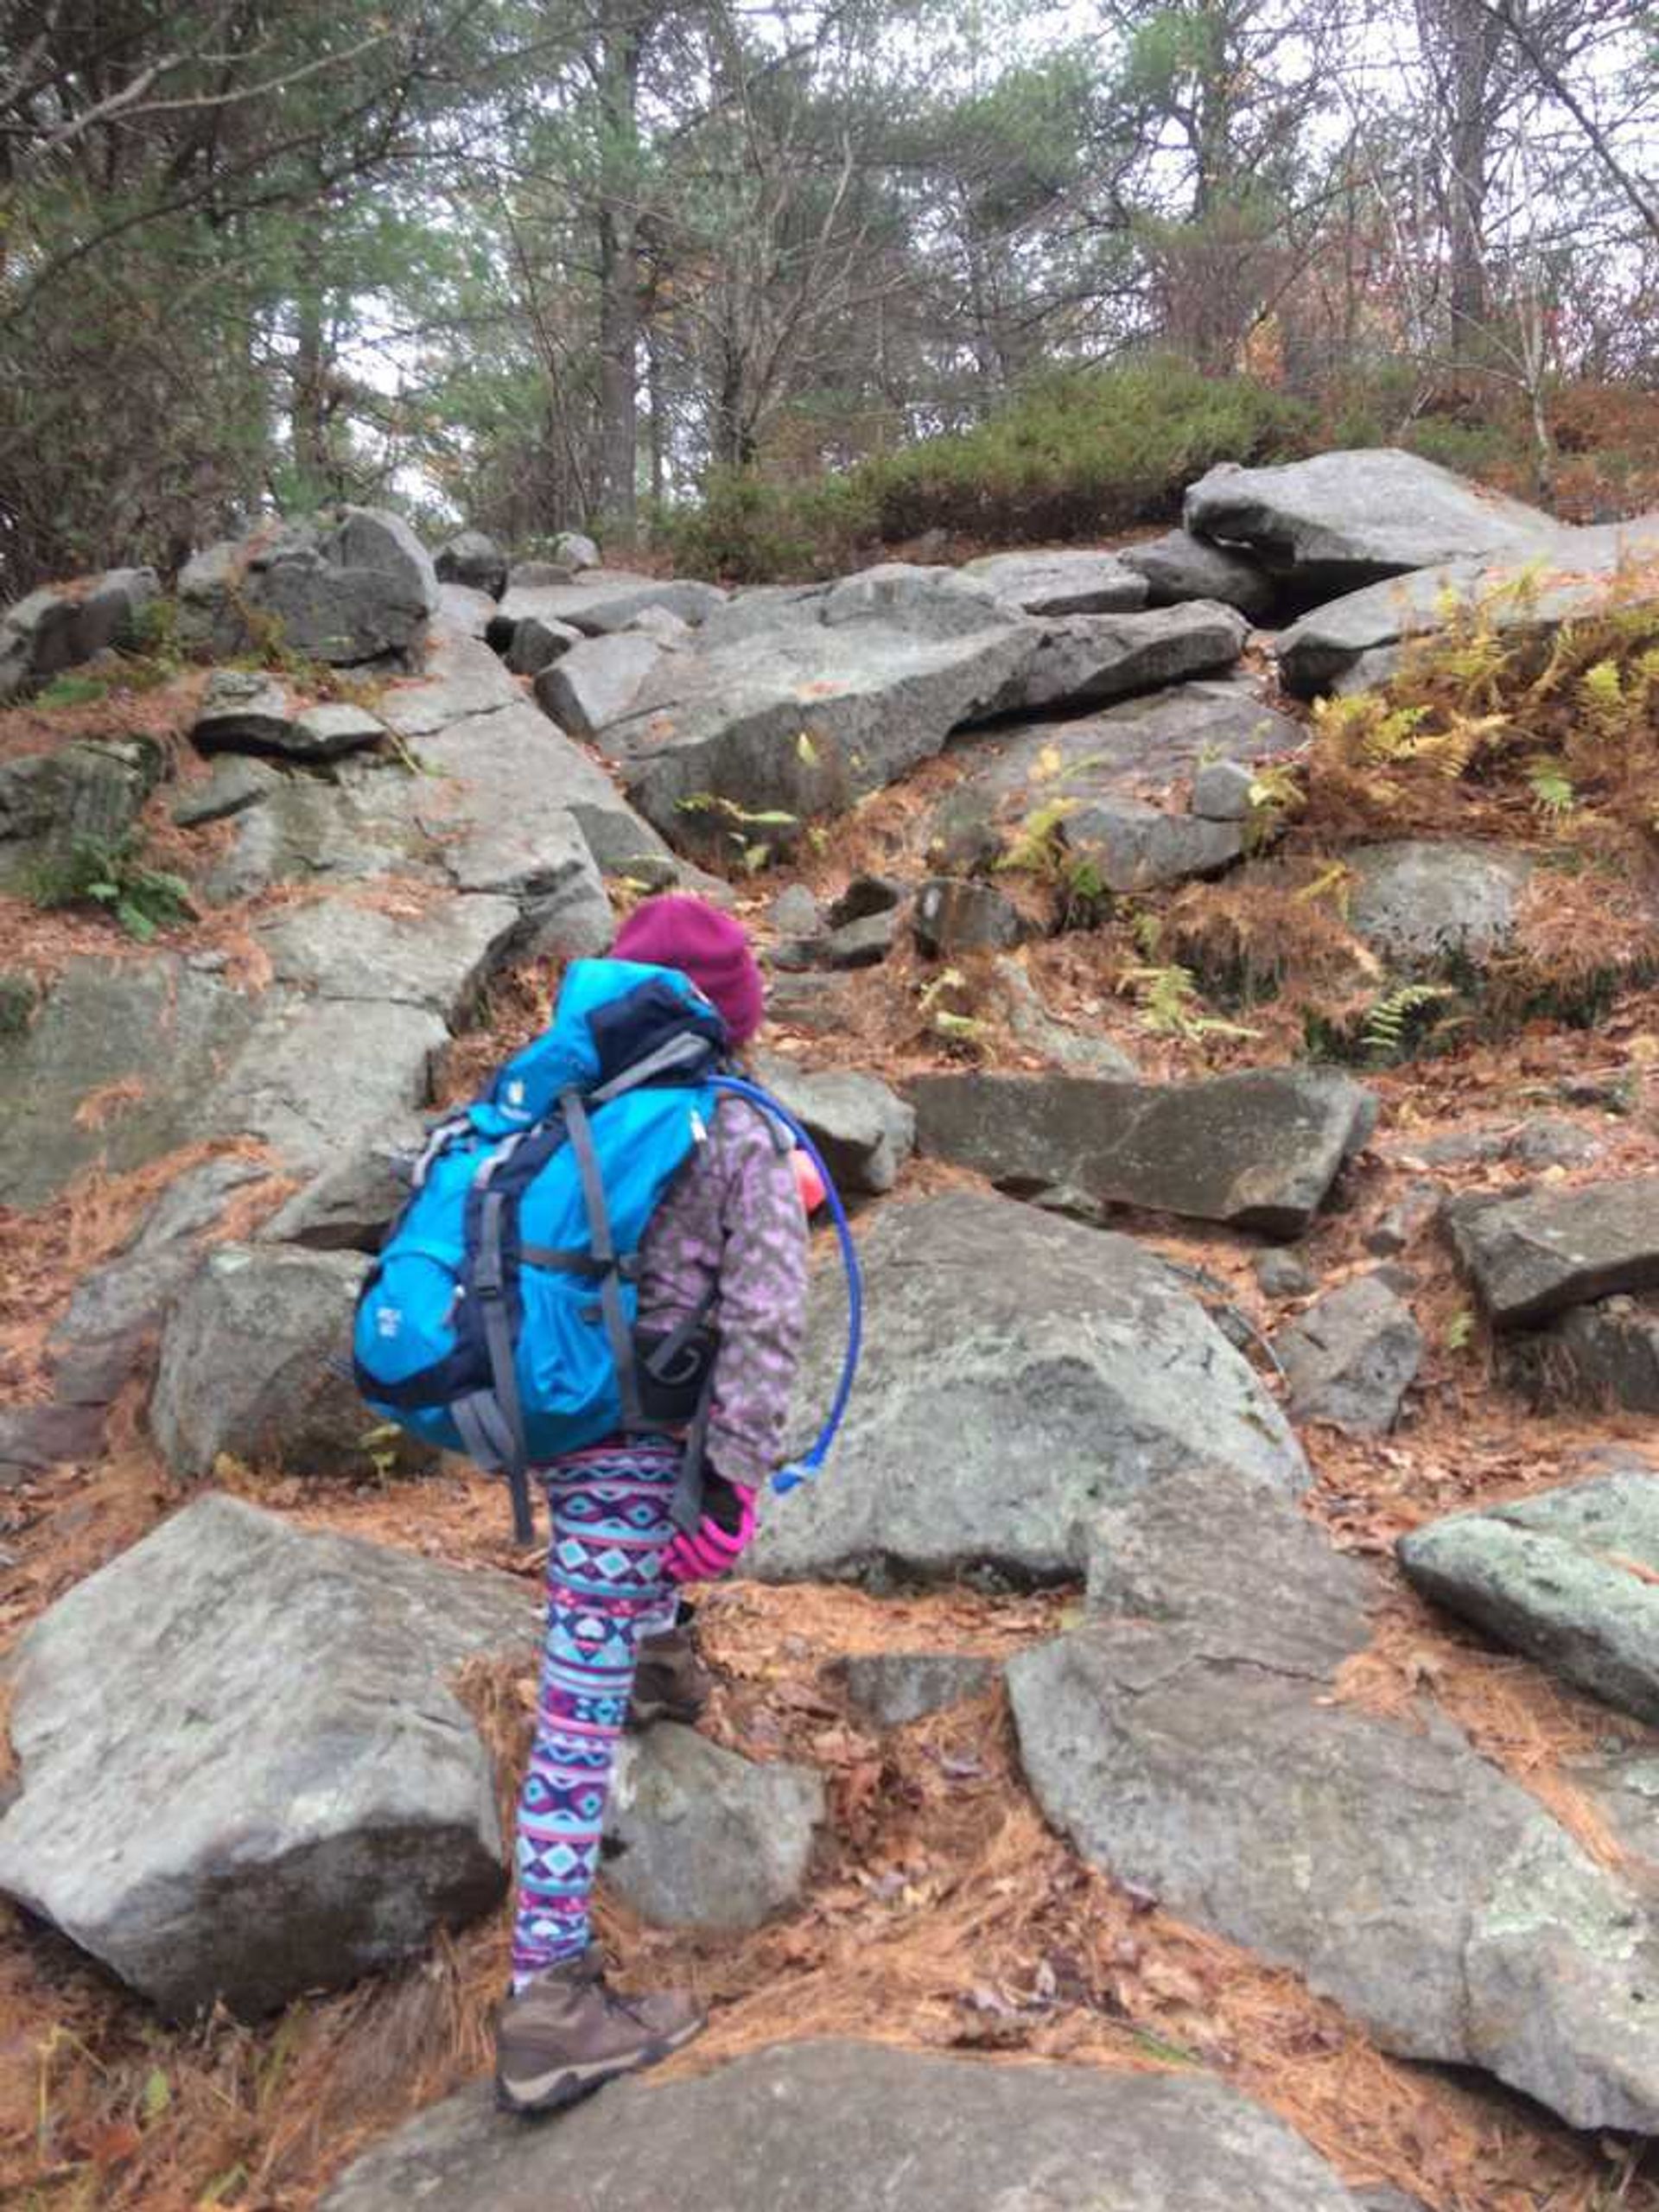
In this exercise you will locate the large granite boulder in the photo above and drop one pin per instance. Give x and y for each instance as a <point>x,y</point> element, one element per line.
<point>246,1370</point>
<point>245,710</point>
<point>1258,1150</point>
<point>316,1076</point>
<point>1361,633</point>
<point>112,1069</point>
<point>1189,1742</point>
<point>62,624</point>
<point>1531,1257</point>
<point>800,706</point>
<point>599,601</point>
<point>859,2128</point>
<point>246,1770</point>
<point>596,681</point>
<point>1020,1371</point>
<point>1568,1576</point>
<point>359,588</point>
<point>51,803</point>
<point>471,558</point>
<point>1599,1355</point>
<point>433,953</point>
<point>1070,580</point>
<point>864,1130</point>
<point>1344,519</point>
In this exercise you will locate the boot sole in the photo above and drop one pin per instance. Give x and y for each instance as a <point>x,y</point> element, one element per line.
<point>569,2085</point>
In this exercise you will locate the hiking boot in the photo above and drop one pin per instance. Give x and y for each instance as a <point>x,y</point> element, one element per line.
<point>671,1682</point>
<point>568,2033</point>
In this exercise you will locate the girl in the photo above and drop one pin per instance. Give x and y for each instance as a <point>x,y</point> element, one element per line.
<point>733,1222</point>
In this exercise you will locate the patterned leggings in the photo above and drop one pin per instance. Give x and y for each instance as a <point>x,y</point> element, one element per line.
<point>605,1588</point>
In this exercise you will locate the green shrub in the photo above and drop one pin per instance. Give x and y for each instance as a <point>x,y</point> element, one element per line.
<point>116,877</point>
<point>752,531</point>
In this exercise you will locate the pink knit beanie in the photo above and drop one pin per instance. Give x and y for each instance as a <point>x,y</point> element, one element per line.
<point>678,932</point>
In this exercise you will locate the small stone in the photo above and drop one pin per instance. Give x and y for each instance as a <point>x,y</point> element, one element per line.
<point>574,551</point>
<point>864,896</point>
<point>892,1689</point>
<point>1551,1141</point>
<point>794,912</point>
<point>698,1837</point>
<point>324,732</point>
<point>1283,1274</point>
<point>472,558</point>
<point>1417,1209</point>
<point>536,644</point>
<point>1221,791</point>
<point>1352,1358</point>
<point>861,944</point>
<point>954,914</point>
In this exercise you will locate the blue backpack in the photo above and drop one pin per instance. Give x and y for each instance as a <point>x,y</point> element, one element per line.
<point>501,1318</point>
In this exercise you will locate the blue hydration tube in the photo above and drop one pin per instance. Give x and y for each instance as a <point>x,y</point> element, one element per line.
<point>803,1469</point>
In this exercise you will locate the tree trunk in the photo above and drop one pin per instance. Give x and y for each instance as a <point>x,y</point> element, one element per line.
<point>618,283</point>
<point>308,402</point>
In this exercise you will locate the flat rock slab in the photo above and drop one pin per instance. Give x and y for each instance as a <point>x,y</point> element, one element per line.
<point>604,599</point>
<point>798,706</point>
<point>318,1075</point>
<point>1420,905</point>
<point>1193,1748</point>
<point>246,1773</point>
<point>1343,519</point>
<point>1022,1372</point>
<point>1084,659</point>
<point>1601,1355</point>
<point>433,953</point>
<point>864,1130</point>
<point>1352,1358</point>
<point>1258,1150</point>
<point>112,1071</point>
<point>1570,1577</point>
<point>1063,581</point>
<point>1532,1256</point>
<point>1368,627</point>
<point>1128,753</point>
<point>698,1837</point>
<point>859,2128</point>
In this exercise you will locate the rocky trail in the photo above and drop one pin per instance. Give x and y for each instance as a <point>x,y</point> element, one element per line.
<point>1196,1747</point>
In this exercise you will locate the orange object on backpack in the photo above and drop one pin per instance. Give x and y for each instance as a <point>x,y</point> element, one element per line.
<point>808,1181</point>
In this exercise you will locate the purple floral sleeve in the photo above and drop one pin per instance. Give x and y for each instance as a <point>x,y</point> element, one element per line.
<point>733,1219</point>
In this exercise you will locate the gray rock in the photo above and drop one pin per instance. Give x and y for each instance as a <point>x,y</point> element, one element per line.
<point>1135,846</point>
<point>606,599</point>
<point>573,549</point>
<point>596,683</point>
<point>1564,1576</point>
<point>237,782</point>
<point>536,644</point>
<point>865,1131</point>
<point>662,624</point>
<point>892,1689</point>
<point>1017,1397</point>
<point>1362,632</point>
<point>1178,566</point>
<point>1420,905</point>
<point>1418,1207</point>
<point>365,819</point>
<point>316,1076</point>
<point>865,895</point>
<point>1601,1355</point>
<point>1118,754</point>
<point>539,575</point>
<point>1352,1358</point>
<point>58,627</point>
<point>157,1027</point>
<point>1068,581</point>
<point>36,1438</point>
<point>1258,1150</point>
<point>88,793</point>
<point>333,726</point>
<point>817,1003</point>
<point>1221,791</point>
<point>1283,1274</point>
<point>795,911</point>
<point>472,558</point>
<point>1084,657</point>
<point>436,955</point>
<point>349,1205</point>
<point>245,1366</point>
<point>1344,519</point>
<point>363,589</point>
<point>1550,1140</point>
<point>1203,1759</point>
<point>697,1837</point>
<point>243,710</point>
<point>116,1312</point>
<point>246,1773</point>
<point>933,2134</point>
<point>1530,1256</point>
<point>837,693</point>
<point>954,916</point>
<point>1032,1026</point>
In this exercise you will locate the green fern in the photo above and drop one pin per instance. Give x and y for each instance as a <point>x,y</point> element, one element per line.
<point>1383,1033</point>
<point>1553,792</point>
<point>1168,1000</point>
